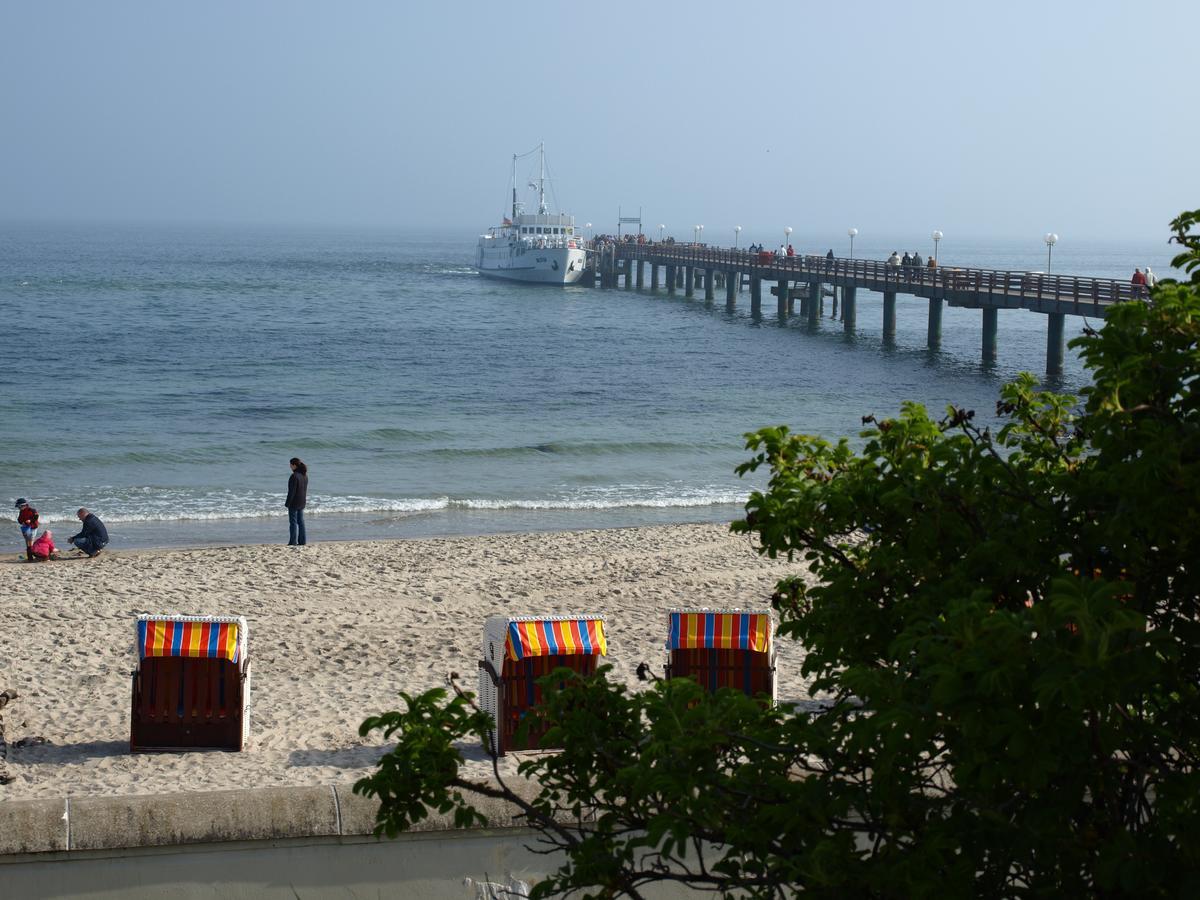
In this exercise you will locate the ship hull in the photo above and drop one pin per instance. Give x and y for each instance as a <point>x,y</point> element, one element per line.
<point>550,266</point>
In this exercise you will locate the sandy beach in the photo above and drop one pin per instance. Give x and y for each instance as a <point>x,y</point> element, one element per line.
<point>337,630</point>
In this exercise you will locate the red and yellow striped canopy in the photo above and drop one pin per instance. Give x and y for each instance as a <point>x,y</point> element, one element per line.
<point>720,630</point>
<point>549,637</point>
<point>194,638</point>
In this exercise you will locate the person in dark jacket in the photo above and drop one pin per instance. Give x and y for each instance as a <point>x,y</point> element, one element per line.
<point>94,536</point>
<point>297,497</point>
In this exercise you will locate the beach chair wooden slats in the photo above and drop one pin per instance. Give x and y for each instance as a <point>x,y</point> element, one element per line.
<point>187,704</point>
<point>743,670</point>
<point>521,695</point>
<point>191,688</point>
<point>178,691</point>
<point>519,651</point>
<point>728,648</point>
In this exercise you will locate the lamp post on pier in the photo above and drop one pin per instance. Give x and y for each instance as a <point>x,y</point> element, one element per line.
<point>736,231</point>
<point>588,226</point>
<point>1051,239</point>
<point>701,227</point>
<point>852,232</point>
<point>937,236</point>
<point>787,236</point>
<point>695,234</point>
<point>660,232</point>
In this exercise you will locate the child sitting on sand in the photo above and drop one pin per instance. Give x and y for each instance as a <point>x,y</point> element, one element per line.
<point>27,518</point>
<point>43,547</point>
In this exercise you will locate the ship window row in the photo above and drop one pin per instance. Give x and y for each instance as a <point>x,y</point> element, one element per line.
<point>538,229</point>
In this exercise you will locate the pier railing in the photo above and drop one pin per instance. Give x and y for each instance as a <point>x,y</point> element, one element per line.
<point>882,276</point>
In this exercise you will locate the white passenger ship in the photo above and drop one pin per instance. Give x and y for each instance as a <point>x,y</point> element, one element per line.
<point>544,247</point>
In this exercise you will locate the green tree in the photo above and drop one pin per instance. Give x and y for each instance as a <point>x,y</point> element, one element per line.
<point>1006,628</point>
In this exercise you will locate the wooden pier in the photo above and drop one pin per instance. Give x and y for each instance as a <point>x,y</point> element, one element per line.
<point>690,267</point>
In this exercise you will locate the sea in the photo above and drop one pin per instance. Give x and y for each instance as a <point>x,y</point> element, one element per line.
<point>162,376</point>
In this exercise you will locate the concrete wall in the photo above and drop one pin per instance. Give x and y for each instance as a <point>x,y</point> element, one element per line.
<point>307,842</point>
<point>434,865</point>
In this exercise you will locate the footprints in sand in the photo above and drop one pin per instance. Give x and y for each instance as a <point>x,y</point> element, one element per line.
<point>335,634</point>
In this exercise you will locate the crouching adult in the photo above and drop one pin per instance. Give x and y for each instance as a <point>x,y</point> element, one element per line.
<point>94,536</point>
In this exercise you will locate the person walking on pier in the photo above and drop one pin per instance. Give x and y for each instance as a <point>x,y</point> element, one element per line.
<point>894,259</point>
<point>1139,283</point>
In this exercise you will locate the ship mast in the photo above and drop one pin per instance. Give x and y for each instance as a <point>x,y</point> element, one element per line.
<point>514,188</point>
<point>542,178</point>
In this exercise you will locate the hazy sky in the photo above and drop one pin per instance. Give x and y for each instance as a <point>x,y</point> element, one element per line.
<point>1007,118</point>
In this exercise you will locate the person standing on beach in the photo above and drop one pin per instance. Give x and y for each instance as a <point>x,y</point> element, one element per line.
<point>93,537</point>
<point>27,518</point>
<point>297,497</point>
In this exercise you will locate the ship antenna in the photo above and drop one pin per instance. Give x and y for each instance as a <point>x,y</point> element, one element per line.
<point>514,188</point>
<point>542,178</point>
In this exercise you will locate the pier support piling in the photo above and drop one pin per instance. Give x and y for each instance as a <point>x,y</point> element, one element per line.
<point>653,277</point>
<point>670,279</point>
<point>934,338</point>
<point>709,278</point>
<point>814,303</point>
<point>689,282</point>
<point>1054,344</point>
<point>783,298</point>
<point>731,285</point>
<point>641,274</point>
<point>889,315</point>
<point>755,295</point>
<point>990,321</point>
<point>833,305</point>
<point>849,308</point>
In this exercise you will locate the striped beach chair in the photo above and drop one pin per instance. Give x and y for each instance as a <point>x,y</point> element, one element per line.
<point>191,687</point>
<point>731,648</point>
<point>519,650</point>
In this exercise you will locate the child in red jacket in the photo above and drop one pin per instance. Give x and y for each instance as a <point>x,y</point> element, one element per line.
<point>27,518</point>
<point>43,548</point>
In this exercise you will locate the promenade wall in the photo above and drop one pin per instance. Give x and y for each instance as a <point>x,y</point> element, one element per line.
<point>307,842</point>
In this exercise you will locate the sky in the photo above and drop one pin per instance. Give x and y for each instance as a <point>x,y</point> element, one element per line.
<point>1005,118</point>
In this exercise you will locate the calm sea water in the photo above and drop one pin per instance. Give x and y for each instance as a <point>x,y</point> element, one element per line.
<point>163,377</point>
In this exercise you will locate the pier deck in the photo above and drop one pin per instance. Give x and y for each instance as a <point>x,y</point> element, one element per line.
<point>691,266</point>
